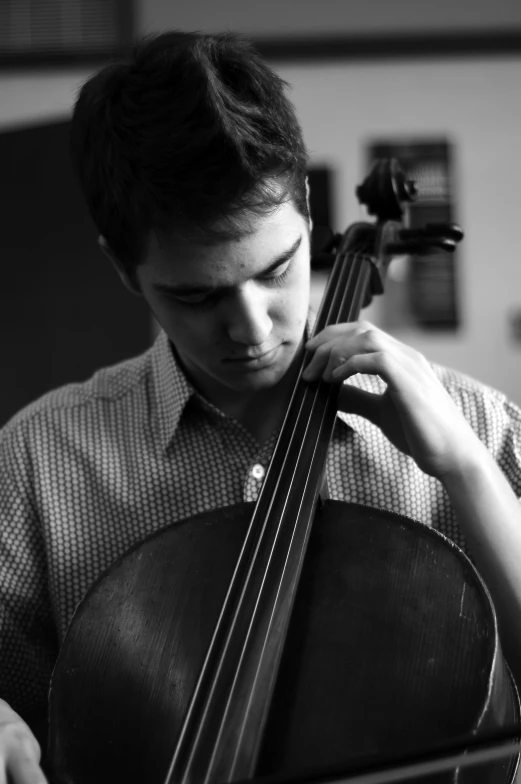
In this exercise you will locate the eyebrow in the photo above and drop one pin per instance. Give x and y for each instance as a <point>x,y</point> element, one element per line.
<point>185,289</point>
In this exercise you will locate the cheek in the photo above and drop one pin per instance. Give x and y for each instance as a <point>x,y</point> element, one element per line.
<point>291,311</point>
<point>299,296</point>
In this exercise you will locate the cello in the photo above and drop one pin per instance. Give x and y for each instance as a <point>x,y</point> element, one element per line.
<point>293,636</point>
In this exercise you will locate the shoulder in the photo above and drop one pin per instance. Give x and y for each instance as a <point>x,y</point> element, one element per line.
<point>492,415</point>
<point>484,406</point>
<point>108,390</point>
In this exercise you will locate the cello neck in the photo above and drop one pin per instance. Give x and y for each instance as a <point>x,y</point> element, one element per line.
<point>222,733</point>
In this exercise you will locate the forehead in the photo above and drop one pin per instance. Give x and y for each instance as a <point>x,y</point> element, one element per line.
<point>173,261</point>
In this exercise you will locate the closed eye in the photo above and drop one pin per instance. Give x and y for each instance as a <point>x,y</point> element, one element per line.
<point>278,277</point>
<point>273,275</point>
<point>275,278</point>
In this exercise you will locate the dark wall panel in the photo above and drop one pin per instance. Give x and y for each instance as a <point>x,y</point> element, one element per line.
<point>63,311</point>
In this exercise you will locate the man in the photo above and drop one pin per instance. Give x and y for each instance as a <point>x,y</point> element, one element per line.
<point>194,171</point>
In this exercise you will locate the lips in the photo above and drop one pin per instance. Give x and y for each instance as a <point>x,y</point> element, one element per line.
<point>252,358</point>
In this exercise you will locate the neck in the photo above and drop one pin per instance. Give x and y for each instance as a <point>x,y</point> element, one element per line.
<point>263,412</point>
<point>260,412</point>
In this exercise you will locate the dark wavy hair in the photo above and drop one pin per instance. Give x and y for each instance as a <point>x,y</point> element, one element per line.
<point>191,134</point>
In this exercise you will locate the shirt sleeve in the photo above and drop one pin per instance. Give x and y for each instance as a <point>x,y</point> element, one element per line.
<point>28,639</point>
<point>509,451</point>
<point>495,419</point>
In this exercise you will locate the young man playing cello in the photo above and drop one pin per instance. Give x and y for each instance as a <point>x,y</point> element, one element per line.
<point>193,168</point>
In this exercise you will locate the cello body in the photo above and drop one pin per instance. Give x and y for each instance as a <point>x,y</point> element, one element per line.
<point>392,648</point>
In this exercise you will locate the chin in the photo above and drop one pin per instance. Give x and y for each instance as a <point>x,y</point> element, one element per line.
<point>255,380</point>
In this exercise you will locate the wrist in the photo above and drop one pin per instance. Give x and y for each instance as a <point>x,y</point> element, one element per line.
<point>469,470</point>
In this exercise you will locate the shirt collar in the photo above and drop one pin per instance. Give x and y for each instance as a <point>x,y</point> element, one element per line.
<point>172,390</point>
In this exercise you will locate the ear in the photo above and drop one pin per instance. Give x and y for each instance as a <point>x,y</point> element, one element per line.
<point>127,279</point>
<point>308,191</point>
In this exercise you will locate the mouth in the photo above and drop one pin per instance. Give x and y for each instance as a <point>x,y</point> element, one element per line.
<point>253,360</point>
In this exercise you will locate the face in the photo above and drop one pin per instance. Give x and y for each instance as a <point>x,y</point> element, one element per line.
<point>235,311</point>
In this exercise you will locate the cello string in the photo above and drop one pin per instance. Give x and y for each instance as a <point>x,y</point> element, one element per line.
<point>343,273</point>
<point>323,319</point>
<point>269,491</point>
<point>201,692</point>
<point>310,464</point>
<point>208,693</point>
<point>346,294</point>
<point>349,270</point>
<point>294,407</point>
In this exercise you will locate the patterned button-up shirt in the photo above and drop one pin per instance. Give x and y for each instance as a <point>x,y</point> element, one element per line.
<point>88,470</point>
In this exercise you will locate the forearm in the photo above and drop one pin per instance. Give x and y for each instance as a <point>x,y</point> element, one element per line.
<point>490,517</point>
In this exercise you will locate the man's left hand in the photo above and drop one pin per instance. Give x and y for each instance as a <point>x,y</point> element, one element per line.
<point>415,411</point>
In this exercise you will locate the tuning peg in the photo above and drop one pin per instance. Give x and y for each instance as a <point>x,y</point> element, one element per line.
<point>433,231</point>
<point>385,190</point>
<point>419,247</point>
<point>444,236</point>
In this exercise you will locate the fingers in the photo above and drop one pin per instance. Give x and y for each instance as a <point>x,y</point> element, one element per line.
<point>326,358</point>
<point>335,347</point>
<point>19,750</point>
<point>24,769</point>
<point>334,331</point>
<point>342,350</point>
<point>376,364</point>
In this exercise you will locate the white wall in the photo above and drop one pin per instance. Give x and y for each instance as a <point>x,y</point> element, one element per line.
<point>46,94</point>
<point>31,98</point>
<point>312,17</point>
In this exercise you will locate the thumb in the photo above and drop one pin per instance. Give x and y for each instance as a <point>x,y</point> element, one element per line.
<point>24,769</point>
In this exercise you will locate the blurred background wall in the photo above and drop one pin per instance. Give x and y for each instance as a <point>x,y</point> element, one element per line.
<point>361,71</point>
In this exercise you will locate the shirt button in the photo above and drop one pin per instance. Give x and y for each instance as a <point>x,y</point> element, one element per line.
<point>258,471</point>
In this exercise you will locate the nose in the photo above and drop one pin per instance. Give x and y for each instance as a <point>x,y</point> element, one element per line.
<point>248,320</point>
